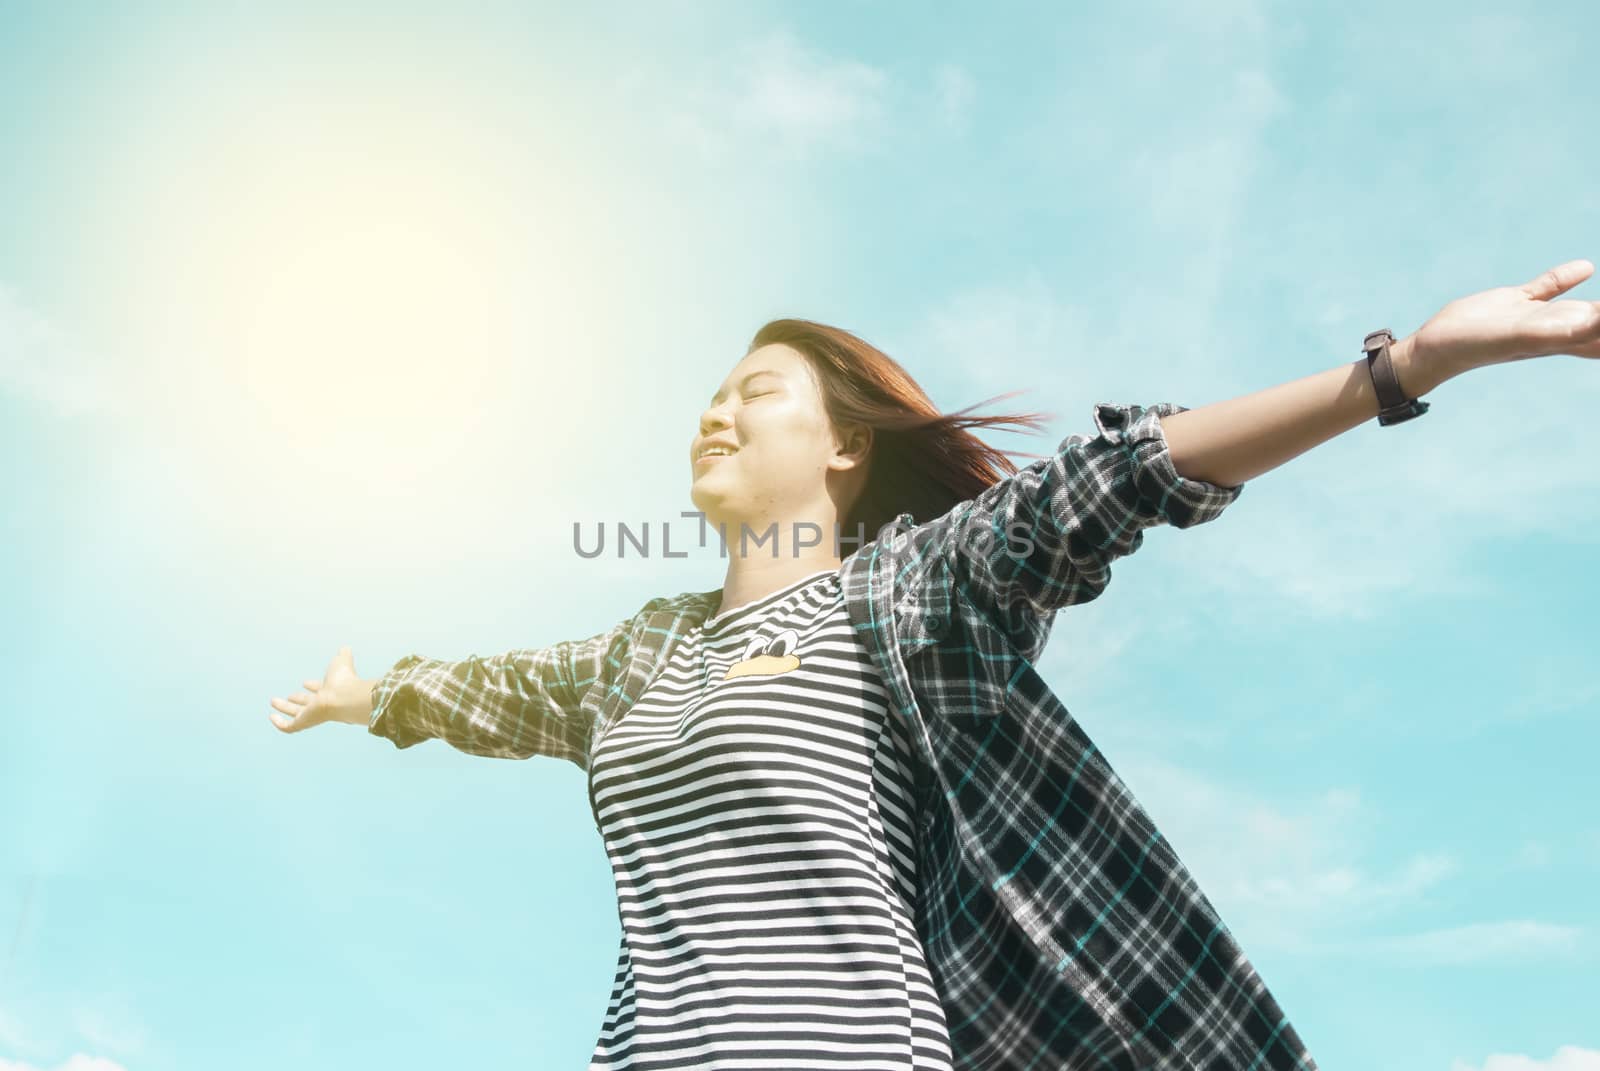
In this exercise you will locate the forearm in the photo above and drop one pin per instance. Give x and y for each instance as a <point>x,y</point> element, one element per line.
<point>1231,442</point>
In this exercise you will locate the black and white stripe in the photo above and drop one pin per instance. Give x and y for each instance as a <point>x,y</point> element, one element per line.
<point>760,834</point>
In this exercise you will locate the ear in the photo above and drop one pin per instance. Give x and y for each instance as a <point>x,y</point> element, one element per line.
<point>853,444</point>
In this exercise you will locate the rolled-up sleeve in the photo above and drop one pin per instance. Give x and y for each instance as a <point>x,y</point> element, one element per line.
<point>1045,537</point>
<point>1166,497</point>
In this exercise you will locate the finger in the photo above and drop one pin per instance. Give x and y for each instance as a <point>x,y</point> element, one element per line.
<point>302,698</point>
<point>293,719</point>
<point>311,686</point>
<point>1558,280</point>
<point>288,706</point>
<point>344,653</point>
<point>292,725</point>
<point>284,722</point>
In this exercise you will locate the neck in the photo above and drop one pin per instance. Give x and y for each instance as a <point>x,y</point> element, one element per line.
<point>787,553</point>
<point>765,555</point>
<point>759,575</point>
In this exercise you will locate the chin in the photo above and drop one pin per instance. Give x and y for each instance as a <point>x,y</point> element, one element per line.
<point>706,504</point>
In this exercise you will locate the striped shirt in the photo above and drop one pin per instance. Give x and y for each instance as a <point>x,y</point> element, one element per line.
<point>756,805</point>
<point>1060,928</point>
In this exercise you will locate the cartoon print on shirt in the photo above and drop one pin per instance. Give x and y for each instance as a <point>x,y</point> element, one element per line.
<point>767,657</point>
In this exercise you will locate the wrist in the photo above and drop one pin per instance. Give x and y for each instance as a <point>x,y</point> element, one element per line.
<point>1418,371</point>
<point>359,709</point>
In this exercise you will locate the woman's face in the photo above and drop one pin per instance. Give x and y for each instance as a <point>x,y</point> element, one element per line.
<point>785,457</point>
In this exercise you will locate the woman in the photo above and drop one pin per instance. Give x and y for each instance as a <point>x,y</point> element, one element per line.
<point>849,824</point>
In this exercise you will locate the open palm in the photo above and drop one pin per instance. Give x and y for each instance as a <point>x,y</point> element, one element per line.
<point>1513,323</point>
<point>339,696</point>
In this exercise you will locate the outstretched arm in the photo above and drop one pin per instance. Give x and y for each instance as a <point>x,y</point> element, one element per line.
<point>513,705</point>
<point>1235,441</point>
<point>1045,537</point>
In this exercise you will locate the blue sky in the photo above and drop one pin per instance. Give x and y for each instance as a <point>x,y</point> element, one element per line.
<point>324,328</point>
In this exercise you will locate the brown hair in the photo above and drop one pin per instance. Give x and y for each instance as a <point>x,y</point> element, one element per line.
<point>922,461</point>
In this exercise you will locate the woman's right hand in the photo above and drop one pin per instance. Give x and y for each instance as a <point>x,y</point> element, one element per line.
<point>340,696</point>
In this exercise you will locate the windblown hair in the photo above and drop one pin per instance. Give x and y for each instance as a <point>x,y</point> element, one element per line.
<point>922,461</point>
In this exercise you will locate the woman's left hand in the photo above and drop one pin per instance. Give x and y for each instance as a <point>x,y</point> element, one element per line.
<point>1509,323</point>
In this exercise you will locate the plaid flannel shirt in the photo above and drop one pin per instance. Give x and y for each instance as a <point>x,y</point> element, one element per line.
<point>1061,928</point>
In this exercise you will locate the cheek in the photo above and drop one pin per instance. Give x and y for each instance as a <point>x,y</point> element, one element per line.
<point>782,468</point>
<point>787,447</point>
<point>799,451</point>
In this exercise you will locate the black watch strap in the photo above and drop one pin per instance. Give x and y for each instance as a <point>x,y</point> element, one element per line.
<point>1393,405</point>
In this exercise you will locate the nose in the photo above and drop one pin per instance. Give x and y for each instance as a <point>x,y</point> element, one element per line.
<point>713,419</point>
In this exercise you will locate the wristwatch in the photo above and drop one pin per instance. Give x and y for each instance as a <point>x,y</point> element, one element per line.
<point>1393,405</point>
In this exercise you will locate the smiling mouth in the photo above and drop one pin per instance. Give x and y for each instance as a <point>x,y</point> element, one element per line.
<point>703,458</point>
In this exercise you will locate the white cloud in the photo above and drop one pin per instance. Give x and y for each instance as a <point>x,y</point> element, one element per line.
<point>1552,686</point>
<point>75,1062</point>
<point>1299,876</point>
<point>1086,646</point>
<point>1567,1058</point>
<point>1198,181</point>
<point>40,363</point>
<point>954,90</point>
<point>12,1035</point>
<point>103,1021</point>
<point>1534,853</point>
<point>797,92</point>
<point>772,91</point>
<point>1295,876</point>
<point>1436,499</point>
<point>991,331</point>
<point>109,1023</point>
<point>1508,941</point>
